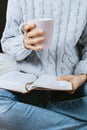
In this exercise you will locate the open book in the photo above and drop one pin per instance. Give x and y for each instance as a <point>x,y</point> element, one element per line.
<point>23,83</point>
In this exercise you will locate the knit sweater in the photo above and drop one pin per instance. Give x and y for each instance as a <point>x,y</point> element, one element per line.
<point>64,56</point>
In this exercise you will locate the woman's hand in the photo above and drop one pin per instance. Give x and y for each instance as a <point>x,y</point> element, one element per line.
<point>33,37</point>
<point>76,80</point>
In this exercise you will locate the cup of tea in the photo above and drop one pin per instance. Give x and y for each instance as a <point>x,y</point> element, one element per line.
<point>46,24</point>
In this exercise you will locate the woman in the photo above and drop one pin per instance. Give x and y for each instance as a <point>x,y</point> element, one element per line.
<point>64,58</point>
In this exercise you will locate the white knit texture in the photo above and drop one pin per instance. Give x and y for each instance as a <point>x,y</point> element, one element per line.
<point>62,57</point>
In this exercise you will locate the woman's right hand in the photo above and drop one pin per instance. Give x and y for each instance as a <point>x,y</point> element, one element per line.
<point>33,37</point>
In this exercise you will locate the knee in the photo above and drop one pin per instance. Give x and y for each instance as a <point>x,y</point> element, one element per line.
<point>6,101</point>
<point>5,112</point>
<point>5,104</point>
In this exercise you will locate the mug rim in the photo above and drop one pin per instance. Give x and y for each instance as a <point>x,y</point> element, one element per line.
<point>41,19</point>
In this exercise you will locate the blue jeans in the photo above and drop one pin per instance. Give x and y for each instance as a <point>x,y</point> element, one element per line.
<point>19,112</point>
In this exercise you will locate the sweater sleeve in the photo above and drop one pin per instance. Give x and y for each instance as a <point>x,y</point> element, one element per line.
<point>81,67</point>
<point>12,40</point>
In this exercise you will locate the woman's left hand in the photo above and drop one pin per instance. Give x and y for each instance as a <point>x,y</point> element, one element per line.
<point>76,80</point>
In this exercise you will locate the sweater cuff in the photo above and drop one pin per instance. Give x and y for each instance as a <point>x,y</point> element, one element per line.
<point>20,52</point>
<point>81,68</point>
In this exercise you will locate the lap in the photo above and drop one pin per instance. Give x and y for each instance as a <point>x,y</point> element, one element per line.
<point>36,98</point>
<point>21,116</point>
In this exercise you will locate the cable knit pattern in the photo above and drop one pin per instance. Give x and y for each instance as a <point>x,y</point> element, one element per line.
<point>62,58</point>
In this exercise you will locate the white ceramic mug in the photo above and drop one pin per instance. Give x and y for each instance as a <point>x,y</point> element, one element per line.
<point>46,24</point>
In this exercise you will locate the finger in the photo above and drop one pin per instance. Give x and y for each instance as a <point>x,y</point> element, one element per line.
<point>35,32</point>
<point>36,41</point>
<point>29,27</point>
<point>34,47</point>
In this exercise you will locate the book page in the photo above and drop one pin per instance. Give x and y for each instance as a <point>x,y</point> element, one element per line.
<point>50,82</point>
<point>16,81</point>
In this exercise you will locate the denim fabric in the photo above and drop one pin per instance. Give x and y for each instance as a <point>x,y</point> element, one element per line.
<point>17,112</point>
